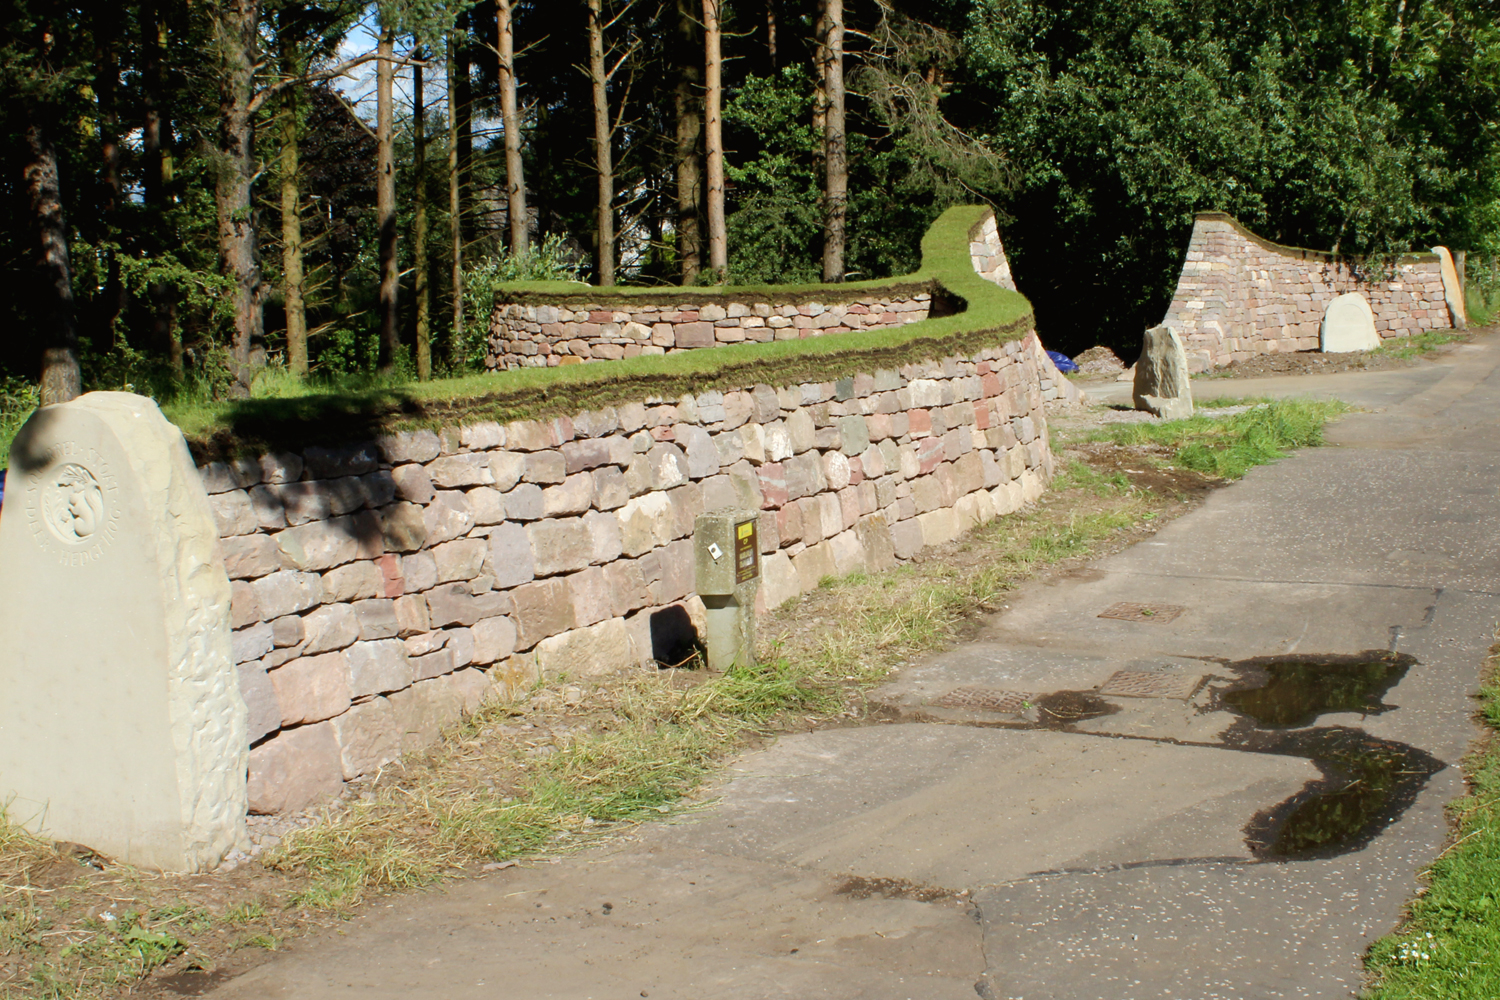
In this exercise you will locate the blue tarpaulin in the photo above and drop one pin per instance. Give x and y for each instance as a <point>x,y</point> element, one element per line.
<point>1063,362</point>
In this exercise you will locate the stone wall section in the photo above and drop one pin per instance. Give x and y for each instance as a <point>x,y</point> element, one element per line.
<point>382,589</point>
<point>1240,295</point>
<point>988,254</point>
<point>528,335</point>
<point>540,336</point>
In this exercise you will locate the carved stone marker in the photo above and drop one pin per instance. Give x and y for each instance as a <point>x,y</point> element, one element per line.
<point>1348,325</point>
<point>121,721</point>
<point>1161,376</point>
<point>1453,291</point>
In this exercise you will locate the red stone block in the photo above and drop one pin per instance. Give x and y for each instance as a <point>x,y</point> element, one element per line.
<point>929,454</point>
<point>773,485</point>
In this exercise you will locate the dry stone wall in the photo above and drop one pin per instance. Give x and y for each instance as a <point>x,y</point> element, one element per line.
<point>381,589</point>
<point>539,336</point>
<point>1239,295</point>
<point>572,329</point>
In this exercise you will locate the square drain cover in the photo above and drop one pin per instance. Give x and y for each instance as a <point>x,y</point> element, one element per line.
<point>1158,614</point>
<point>1150,684</point>
<point>985,699</point>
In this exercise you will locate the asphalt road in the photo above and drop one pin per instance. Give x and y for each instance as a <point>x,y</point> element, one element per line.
<point>1005,849</point>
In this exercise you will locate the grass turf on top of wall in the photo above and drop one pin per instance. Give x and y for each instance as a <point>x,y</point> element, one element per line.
<point>990,316</point>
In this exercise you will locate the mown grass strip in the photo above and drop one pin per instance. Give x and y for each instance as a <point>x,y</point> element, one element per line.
<point>1419,346</point>
<point>1229,446</point>
<point>1448,948</point>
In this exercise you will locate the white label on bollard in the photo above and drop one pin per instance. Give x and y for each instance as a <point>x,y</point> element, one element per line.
<point>715,551</point>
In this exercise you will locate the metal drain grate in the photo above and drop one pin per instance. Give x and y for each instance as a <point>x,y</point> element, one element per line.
<point>985,700</point>
<point>1150,684</point>
<point>1158,614</point>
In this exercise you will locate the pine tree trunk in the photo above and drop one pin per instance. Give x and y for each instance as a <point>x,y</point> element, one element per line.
<point>835,200</point>
<point>605,218</point>
<point>293,279</point>
<point>771,32</point>
<point>718,249</point>
<point>689,163</point>
<point>820,92</point>
<point>385,199</point>
<point>515,182</point>
<point>151,100</point>
<point>465,112</point>
<point>236,24</point>
<point>165,336</point>
<point>111,299</point>
<point>455,204</point>
<point>60,379</point>
<point>419,225</point>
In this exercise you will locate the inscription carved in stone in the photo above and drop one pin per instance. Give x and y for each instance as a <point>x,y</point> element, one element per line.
<point>69,504</point>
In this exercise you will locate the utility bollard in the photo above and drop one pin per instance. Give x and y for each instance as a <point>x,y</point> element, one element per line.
<point>727,557</point>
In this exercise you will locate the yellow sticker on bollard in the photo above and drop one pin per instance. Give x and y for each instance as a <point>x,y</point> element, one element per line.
<point>746,552</point>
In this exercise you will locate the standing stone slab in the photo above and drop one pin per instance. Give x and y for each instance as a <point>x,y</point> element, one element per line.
<point>1348,325</point>
<point>122,726</point>
<point>1161,376</point>
<point>1453,289</point>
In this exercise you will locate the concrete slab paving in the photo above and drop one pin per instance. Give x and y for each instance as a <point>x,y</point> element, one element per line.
<point>964,853</point>
<point>646,922</point>
<point>959,807</point>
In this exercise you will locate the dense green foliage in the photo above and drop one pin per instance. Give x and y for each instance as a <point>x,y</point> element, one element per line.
<point>1358,127</point>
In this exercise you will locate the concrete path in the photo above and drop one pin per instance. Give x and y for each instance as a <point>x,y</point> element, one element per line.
<point>976,848</point>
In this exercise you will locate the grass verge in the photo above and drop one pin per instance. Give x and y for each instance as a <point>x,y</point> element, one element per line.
<point>1227,447</point>
<point>1419,346</point>
<point>1446,948</point>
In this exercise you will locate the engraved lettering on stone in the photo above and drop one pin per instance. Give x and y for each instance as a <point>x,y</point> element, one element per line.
<point>70,506</point>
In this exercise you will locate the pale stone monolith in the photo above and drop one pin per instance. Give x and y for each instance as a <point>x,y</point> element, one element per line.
<point>1161,376</point>
<point>1348,325</point>
<point>122,726</point>
<point>1453,290</point>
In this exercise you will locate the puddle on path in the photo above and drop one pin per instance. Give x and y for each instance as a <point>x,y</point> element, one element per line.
<point>1062,709</point>
<point>1293,691</point>
<point>1367,781</point>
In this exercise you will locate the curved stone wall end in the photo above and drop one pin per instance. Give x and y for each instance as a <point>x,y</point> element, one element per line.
<point>1239,295</point>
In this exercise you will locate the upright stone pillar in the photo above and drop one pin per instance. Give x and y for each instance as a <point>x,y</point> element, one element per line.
<point>121,721</point>
<point>1162,385</point>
